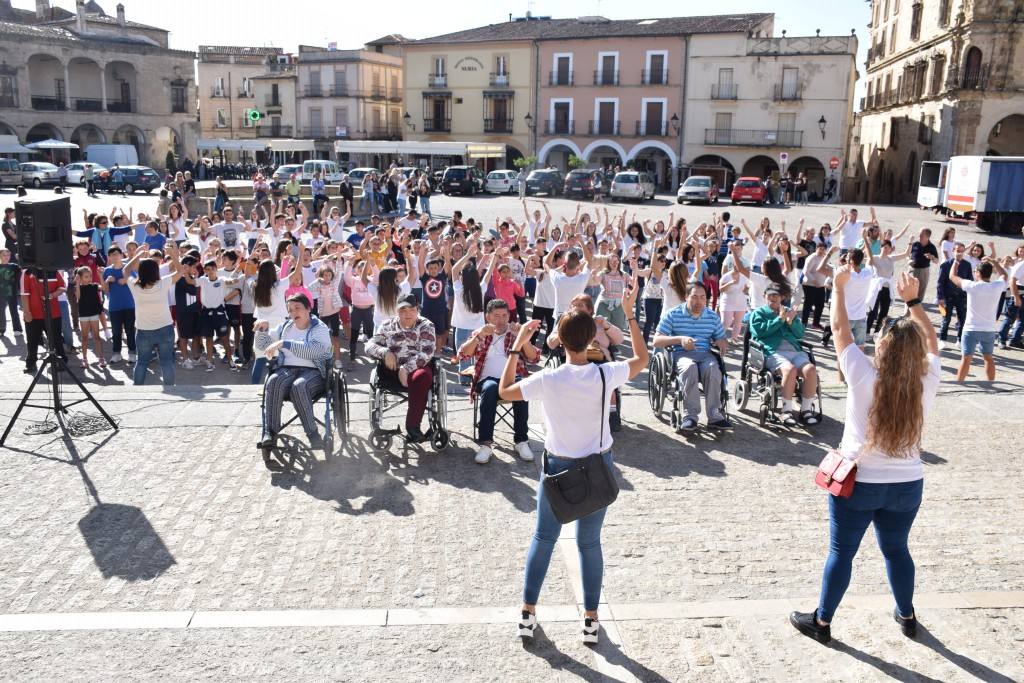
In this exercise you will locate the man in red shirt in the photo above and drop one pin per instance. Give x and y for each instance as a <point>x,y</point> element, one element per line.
<point>32,280</point>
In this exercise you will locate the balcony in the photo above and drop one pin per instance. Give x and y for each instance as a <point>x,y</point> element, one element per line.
<point>272,102</point>
<point>245,94</point>
<point>975,79</point>
<point>498,125</point>
<point>724,91</point>
<point>315,132</point>
<point>499,80</point>
<point>560,78</point>
<point>652,129</point>
<point>122,107</point>
<point>48,103</point>
<point>218,91</point>
<point>437,81</point>
<point>383,133</point>
<point>313,91</point>
<point>753,138</point>
<point>610,128</point>
<point>437,125</point>
<point>606,77</point>
<point>87,104</point>
<point>559,127</point>
<point>654,77</point>
<point>272,131</point>
<point>378,92</point>
<point>782,92</point>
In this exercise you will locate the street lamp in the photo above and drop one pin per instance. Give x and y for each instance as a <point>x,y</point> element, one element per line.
<point>821,126</point>
<point>529,121</point>
<point>408,121</point>
<point>675,123</point>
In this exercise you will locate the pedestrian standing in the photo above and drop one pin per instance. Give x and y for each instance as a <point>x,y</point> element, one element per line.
<point>922,255</point>
<point>982,306</point>
<point>521,183</point>
<point>62,176</point>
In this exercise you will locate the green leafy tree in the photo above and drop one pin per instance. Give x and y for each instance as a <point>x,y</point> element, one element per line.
<point>524,162</point>
<point>576,162</point>
<point>170,162</point>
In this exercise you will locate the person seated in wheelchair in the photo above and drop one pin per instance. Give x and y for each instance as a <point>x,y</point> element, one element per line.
<point>489,347</point>
<point>688,331</point>
<point>302,348</point>
<point>600,349</point>
<point>779,331</point>
<point>404,349</point>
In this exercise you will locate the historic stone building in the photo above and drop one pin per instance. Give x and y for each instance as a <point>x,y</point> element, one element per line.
<point>89,78</point>
<point>944,78</point>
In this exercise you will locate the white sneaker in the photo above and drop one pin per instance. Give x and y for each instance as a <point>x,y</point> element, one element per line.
<point>524,452</point>
<point>187,364</point>
<point>590,627</point>
<point>116,358</point>
<point>527,624</point>
<point>132,357</point>
<point>483,456</point>
<point>209,366</point>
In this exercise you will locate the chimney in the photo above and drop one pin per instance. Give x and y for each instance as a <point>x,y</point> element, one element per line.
<point>120,17</point>
<point>42,10</point>
<point>80,24</point>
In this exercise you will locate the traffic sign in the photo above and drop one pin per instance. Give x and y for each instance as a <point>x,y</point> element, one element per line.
<point>833,163</point>
<point>784,158</point>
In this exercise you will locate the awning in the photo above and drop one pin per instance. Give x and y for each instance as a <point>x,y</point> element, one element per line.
<point>253,145</point>
<point>290,145</point>
<point>406,148</point>
<point>436,93</point>
<point>52,144</point>
<point>9,145</point>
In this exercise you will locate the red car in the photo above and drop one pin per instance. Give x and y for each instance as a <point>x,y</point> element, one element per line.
<point>749,189</point>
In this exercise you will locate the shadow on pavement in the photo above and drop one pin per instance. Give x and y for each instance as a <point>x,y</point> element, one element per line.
<point>975,668</point>
<point>890,669</point>
<point>123,543</point>
<point>542,646</point>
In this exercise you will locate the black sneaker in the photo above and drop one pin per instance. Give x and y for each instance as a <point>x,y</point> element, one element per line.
<point>807,624</point>
<point>415,435</point>
<point>316,442</point>
<point>267,440</point>
<point>909,626</point>
<point>30,370</point>
<point>688,424</point>
<point>722,423</point>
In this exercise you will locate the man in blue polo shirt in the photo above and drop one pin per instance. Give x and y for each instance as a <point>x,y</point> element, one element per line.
<point>688,331</point>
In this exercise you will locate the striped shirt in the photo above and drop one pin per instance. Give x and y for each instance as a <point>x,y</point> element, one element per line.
<point>705,328</point>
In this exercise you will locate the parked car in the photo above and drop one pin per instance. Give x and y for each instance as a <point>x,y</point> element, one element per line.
<point>698,188</point>
<point>329,172</point>
<point>544,180</point>
<point>632,185</point>
<point>38,173</point>
<point>502,181</point>
<point>356,175</point>
<point>580,183</point>
<point>10,173</point>
<point>748,189</point>
<point>135,178</point>
<point>408,171</point>
<point>284,172</point>
<point>76,172</point>
<point>463,180</point>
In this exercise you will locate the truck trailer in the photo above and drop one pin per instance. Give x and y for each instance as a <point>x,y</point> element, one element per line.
<point>987,190</point>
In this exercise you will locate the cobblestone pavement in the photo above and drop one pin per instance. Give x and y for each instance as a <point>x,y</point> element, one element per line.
<point>712,540</point>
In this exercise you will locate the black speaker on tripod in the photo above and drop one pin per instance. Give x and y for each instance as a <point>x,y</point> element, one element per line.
<point>44,233</point>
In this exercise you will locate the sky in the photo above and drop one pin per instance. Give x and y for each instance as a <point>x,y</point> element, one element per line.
<point>287,23</point>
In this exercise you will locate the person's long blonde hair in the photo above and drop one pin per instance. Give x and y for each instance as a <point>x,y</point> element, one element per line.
<point>896,418</point>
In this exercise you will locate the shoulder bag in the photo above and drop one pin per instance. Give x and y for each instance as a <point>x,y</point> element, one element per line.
<point>837,474</point>
<point>587,486</point>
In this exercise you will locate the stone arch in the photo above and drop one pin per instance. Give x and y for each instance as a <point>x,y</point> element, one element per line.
<point>122,87</point>
<point>43,131</point>
<point>131,135</point>
<point>759,166</point>
<point>1006,137</point>
<point>556,153</point>
<point>550,145</point>
<point>85,135</point>
<point>7,129</point>
<point>814,170</point>
<point>165,138</point>
<point>85,86</point>
<point>596,144</point>
<point>656,158</point>
<point>44,72</point>
<point>655,144</point>
<point>971,76</point>
<point>716,166</point>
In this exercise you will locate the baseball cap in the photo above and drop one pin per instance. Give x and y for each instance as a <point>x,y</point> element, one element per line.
<point>773,288</point>
<point>407,301</point>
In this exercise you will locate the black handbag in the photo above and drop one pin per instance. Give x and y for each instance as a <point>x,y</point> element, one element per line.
<point>587,486</point>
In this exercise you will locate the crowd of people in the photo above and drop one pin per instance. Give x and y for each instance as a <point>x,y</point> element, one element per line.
<point>289,292</point>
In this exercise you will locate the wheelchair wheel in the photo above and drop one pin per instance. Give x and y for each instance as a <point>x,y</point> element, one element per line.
<point>656,385</point>
<point>762,415</point>
<point>340,406</point>
<point>740,394</point>
<point>440,439</point>
<point>382,442</point>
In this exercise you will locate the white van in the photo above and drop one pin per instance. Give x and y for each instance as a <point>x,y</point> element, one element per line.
<point>329,172</point>
<point>10,173</point>
<point>109,156</point>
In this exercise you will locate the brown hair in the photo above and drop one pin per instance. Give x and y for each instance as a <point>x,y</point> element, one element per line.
<point>678,273</point>
<point>896,417</point>
<point>576,330</point>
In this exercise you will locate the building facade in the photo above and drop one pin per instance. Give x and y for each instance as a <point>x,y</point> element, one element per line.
<point>89,78</point>
<point>944,78</point>
<point>474,91</point>
<point>350,94</point>
<point>236,81</point>
<point>757,105</point>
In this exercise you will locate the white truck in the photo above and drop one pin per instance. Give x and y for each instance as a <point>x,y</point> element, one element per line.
<point>989,190</point>
<point>109,156</point>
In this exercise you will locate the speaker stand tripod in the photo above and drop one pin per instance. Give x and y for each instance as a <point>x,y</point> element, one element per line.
<point>56,365</point>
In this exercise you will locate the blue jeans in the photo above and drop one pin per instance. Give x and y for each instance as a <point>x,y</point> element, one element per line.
<point>65,324</point>
<point>588,542</point>
<point>892,507</point>
<point>259,369</point>
<point>401,205</point>
<point>461,336</point>
<point>122,320</point>
<point>425,206</point>
<point>161,342</point>
<point>488,390</point>
<point>1014,317</point>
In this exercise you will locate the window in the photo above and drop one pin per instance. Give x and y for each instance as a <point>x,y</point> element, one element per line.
<point>924,129</point>
<point>222,119</point>
<point>560,121</point>
<point>313,89</point>
<point>787,129</point>
<point>894,132</point>
<point>316,122</point>
<point>561,74</point>
<point>972,69</point>
<point>218,87</point>
<point>439,66</point>
<point>723,128</point>
<point>945,6</point>
<point>340,82</point>
<point>920,79</point>
<point>341,117</point>
<point>915,21</point>
<point>725,89</point>
<point>895,7</point>
<point>885,13</point>
<point>246,89</point>
<point>882,145</point>
<point>656,72</point>
<point>8,91</point>
<point>938,74</point>
<point>606,116</point>
<point>892,37</point>
<point>607,69</point>
<point>500,76</point>
<point>179,97</point>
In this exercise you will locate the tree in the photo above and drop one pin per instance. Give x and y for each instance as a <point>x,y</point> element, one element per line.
<point>523,162</point>
<point>576,162</point>
<point>171,162</point>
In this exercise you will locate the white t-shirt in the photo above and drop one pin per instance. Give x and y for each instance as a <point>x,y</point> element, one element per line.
<point>151,309</point>
<point>566,287</point>
<point>946,249</point>
<point>850,233</point>
<point>494,363</point>
<point>760,253</point>
<point>875,467</point>
<point>379,315</point>
<point>545,297</point>
<point>982,304</point>
<point>734,298</point>
<point>857,290</point>
<point>293,333</point>
<point>670,300</point>
<point>211,292</point>
<point>462,317</point>
<point>409,223</point>
<point>277,311</point>
<point>1017,273</point>
<point>336,229</point>
<point>176,229</point>
<point>572,403</point>
<point>758,283</point>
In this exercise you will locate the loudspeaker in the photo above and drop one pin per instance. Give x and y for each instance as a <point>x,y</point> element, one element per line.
<point>44,233</point>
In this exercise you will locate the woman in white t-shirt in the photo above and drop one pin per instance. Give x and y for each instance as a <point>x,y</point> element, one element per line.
<point>177,214</point>
<point>948,243</point>
<point>887,402</point>
<point>732,302</point>
<point>576,425</point>
<point>467,305</point>
<point>154,328</point>
<point>386,288</point>
<point>269,305</point>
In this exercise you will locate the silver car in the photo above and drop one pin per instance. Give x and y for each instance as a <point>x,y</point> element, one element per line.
<point>635,185</point>
<point>76,172</point>
<point>502,182</point>
<point>284,173</point>
<point>38,173</point>
<point>698,188</point>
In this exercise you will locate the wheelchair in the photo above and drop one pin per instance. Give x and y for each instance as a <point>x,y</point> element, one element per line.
<point>756,378</point>
<point>386,394</point>
<point>661,379</point>
<point>336,405</point>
